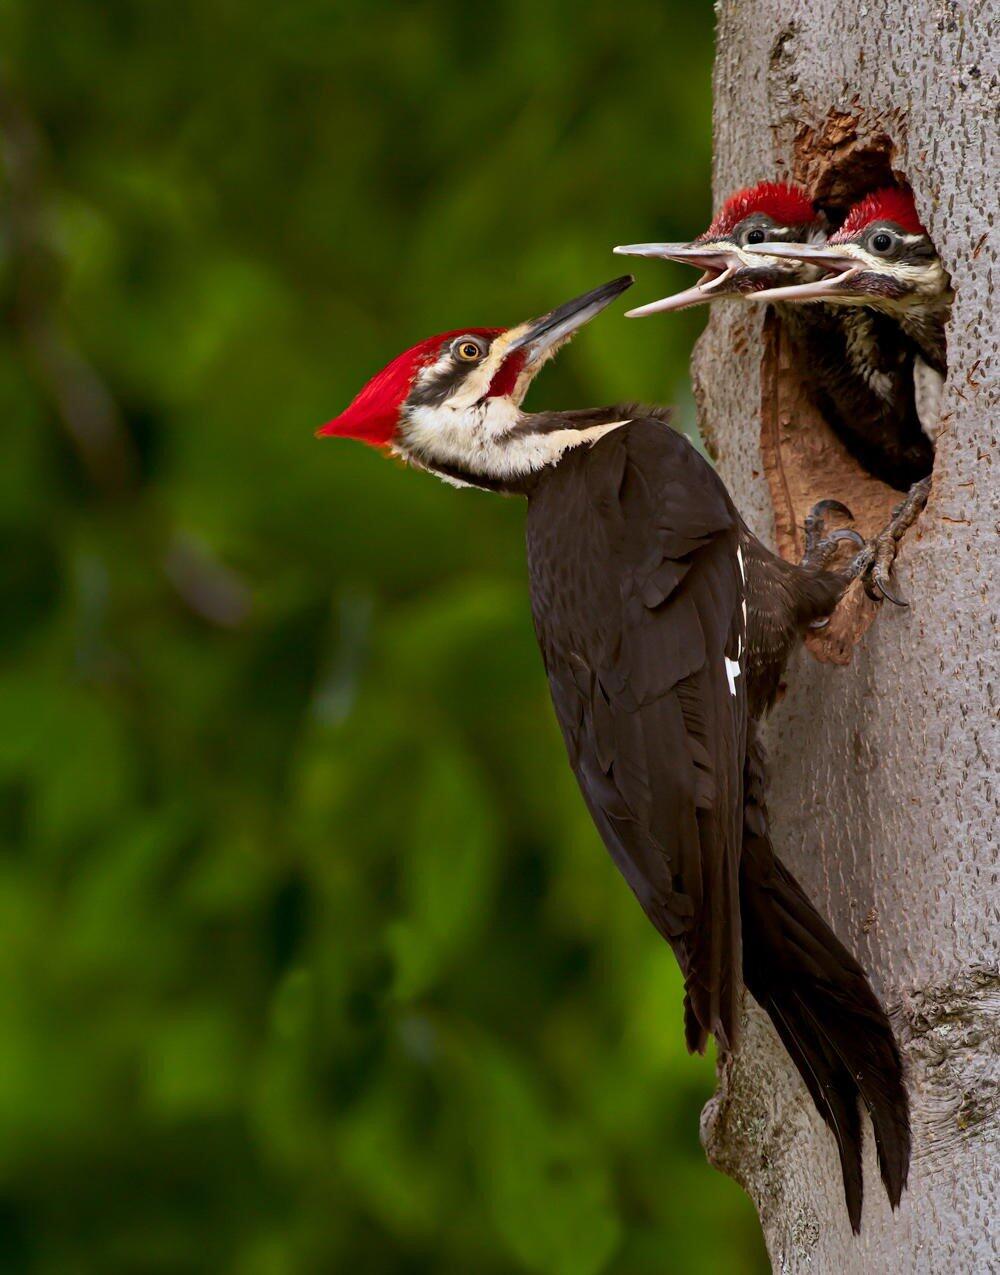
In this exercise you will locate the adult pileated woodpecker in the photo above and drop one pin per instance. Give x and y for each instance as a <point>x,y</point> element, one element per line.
<point>766,244</point>
<point>661,621</point>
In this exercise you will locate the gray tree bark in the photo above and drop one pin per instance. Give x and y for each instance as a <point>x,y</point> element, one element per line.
<point>884,773</point>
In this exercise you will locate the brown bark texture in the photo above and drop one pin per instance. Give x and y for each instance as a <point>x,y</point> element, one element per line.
<point>884,750</point>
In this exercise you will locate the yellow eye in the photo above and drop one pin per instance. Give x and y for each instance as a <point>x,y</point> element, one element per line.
<point>468,351</point>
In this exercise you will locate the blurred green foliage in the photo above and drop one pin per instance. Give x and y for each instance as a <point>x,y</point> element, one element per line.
<point>312,961</point>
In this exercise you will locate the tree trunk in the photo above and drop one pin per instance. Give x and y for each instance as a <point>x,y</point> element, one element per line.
<point>883,773</point>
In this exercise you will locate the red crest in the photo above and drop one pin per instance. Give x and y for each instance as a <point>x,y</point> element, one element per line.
<point>781,201</point>
<point>373,416</point>
<point>892,203</point>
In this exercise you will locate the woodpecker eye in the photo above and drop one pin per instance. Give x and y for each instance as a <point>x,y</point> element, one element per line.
<point>468,351</point>
<point>882,241</point>
<point>756,235</point>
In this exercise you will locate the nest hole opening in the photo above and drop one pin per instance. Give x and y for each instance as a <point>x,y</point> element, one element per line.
<point>811,452</point>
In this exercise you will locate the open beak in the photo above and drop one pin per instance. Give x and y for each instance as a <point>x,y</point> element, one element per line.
<point>719,264</point>
<point>540,337</point>
<point>841,266</point>
<point>707,257</point>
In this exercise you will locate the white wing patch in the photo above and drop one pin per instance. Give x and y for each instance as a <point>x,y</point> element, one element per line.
<point>733,666</point>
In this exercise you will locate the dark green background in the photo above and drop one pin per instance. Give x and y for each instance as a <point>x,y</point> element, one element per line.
<point>311,959</point>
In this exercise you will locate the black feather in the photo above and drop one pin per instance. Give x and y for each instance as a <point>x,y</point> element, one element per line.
<point>638,599</point>
<point>822,1006</point>
<point>635,586</point>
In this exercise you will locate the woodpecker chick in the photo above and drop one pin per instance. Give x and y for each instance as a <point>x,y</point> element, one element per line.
<point>892,295</point>
<point>767,242</point>
<point>773,212</point>
<point>862,380</point>
<point>883,259</point>
<point>663,625</point>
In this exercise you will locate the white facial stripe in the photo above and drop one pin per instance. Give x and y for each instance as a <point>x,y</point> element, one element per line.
<point>477,379</point>
<point>732,249</point>
<point>732,673</point>
<point>487,436</point>
<point>476,385</point>
<point>923,280</point>
<point>482,439</point>
<point>928,279</point>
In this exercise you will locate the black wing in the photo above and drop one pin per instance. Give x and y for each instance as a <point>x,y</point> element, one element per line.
<point>637,594</point>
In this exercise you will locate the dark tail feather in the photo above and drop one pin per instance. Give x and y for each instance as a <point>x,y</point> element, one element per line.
<point>830,1089</point>
<point>823,1009</point>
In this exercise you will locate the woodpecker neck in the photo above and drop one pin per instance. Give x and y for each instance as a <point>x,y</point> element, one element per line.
<point>925,326</point>
<point>914,292</point>
<point>877,338</point>
<point>494,444</point>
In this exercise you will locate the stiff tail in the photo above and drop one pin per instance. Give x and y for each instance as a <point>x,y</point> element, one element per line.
<point>823,1009</point>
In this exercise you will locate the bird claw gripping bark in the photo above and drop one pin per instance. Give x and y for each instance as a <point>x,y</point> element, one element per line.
<point>820,548</point>
<point>873,565</point>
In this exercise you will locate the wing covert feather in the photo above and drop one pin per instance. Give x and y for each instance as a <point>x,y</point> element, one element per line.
<point>637,596</point>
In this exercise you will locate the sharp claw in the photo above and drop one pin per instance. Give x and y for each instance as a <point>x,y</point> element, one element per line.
<point>873,564</point>
<point>847,533</point>
<point>832,507</point>
<point>888,593</point>
<point>819,547</point>
<point>819,624</point>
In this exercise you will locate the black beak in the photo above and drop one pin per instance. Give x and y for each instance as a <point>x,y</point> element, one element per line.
<point>540,336</point>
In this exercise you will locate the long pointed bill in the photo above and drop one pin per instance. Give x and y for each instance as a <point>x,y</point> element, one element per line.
<point>832,288</point>
<point>541,336</point>
<point>823,255</point>
<point>707,257</point>
<point>718,263</point>
<point>708,287</point>
<point>836,285</point>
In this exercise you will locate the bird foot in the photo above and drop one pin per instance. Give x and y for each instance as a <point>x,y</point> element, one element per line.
<point>873,565</point>
<point>820,546</point>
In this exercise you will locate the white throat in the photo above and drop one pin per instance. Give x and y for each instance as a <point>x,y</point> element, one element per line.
<point>491,439</point>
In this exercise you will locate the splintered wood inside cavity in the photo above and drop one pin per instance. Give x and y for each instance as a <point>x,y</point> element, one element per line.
<point>805,462</point>
<point>840,161</point>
